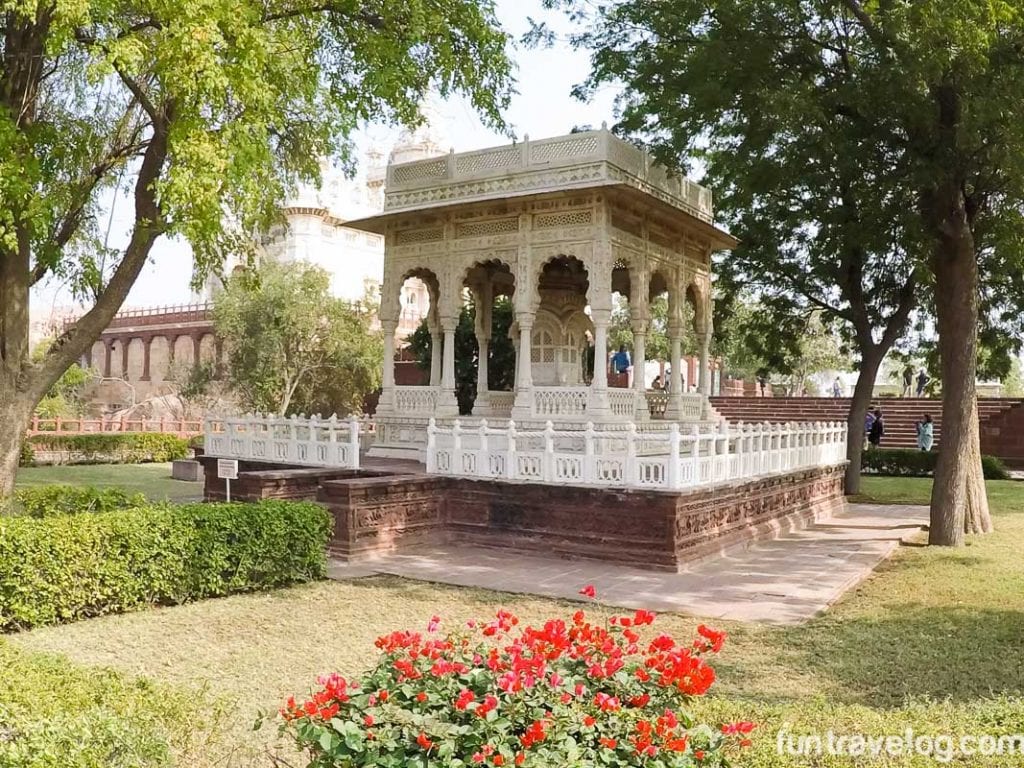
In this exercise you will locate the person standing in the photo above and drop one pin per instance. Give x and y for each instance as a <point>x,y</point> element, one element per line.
<point>869,419</point>
<point>620,360</point>
<point>837,388</point>
<point>908,380</point>
<point>925,433</point>
<point>877,429</point>
<point>922,381</point>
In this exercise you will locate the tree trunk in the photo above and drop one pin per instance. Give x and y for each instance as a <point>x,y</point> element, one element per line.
<point>15,417</point>
<point>859,405</point>
<point>956,307</point>
<point>976,518</point>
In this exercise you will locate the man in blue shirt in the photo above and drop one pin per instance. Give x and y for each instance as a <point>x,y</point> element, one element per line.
<point>620,360</point>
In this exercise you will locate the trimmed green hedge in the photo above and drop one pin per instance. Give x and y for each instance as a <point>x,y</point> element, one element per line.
<point>50,500</point>
<point>113,447</point>
<point>907,462</point>
<point>69,567</point>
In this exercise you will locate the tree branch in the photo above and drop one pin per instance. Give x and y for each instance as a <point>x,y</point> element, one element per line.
<point>149,225</point>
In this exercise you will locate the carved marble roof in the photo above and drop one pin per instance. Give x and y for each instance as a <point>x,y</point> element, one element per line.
<point>576,161</point>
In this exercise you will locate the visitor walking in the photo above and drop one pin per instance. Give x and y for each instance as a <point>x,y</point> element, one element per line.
<point>925,433</point>
<point>877,429</point>
<point>762,381</point>
<point>922,381</point>
<point>620,360</point>
<point>908,380</point>
<point>837,388</point>
<point>869,420</point>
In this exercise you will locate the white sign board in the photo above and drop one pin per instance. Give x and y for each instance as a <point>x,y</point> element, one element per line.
<point>227,469</point>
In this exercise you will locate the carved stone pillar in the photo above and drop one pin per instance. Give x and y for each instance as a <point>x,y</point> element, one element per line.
<point>108,349</point>
<point>523,408</point>
<point>597,404</point>
<point>147,345</point>
<point>125,345</point>
<point>675,379</point>
<point>484,300</point>
<point>436,346</point>
<point>447,402</point>
<point>639,364</point>
<point>705,363</point>
<point>387,395</point>
<point>218,350</point>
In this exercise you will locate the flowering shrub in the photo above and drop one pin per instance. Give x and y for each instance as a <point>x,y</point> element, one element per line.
<point>499,694</point>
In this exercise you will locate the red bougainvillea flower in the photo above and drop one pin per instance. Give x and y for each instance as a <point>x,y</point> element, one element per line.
<point>714,639</point>
<point>676,745</point>
<point>743,727</point>
<point>602,686</point>
<point>534,734</point>
<point>489,703</point>
<point>465,698</point>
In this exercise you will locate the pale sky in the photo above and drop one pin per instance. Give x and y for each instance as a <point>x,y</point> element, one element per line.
<point>543,107</point>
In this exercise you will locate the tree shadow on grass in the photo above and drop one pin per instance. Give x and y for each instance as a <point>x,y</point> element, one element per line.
<point>955,652</point>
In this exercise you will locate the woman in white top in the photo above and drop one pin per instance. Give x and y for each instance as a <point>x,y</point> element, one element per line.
<point>925,433</point>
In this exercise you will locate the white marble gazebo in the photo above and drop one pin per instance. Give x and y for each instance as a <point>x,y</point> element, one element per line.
<point>558,226</point>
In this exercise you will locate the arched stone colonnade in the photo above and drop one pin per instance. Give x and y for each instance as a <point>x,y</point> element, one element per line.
<point>559,260</point>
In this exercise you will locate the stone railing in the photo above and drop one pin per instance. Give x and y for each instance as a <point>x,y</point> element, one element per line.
<point>560,401</point>
<point>691,406</point>
<point>657,402</point>
<point>59,426</point>
<point>314,442</point>
<point>169,315</point>
<point>631,459</point>
<point>622,402</point>
<point>501,402</point>
<point>415,399</point>
<point>625,163</point>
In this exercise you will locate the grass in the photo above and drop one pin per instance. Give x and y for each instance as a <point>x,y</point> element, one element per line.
<point>934,640</point>
<point>152,480</point>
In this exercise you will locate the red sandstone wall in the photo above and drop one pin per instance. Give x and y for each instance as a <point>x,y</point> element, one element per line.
<point>378,512</point>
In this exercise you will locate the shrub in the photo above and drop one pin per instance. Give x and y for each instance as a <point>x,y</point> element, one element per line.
<point>27,457</point>
<point>50,500</point>
<point>68,567</point>
<point>564,694</point>
<point>54,713</point>
<point>907,462</point>
<point>114,447</point>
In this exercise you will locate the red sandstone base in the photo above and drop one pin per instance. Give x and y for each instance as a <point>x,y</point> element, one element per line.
<point>377,512</point>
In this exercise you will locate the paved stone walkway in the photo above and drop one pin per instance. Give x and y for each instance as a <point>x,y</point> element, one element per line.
<point>785,580</point>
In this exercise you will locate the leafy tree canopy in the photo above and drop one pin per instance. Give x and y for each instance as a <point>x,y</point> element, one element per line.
<point>291,346</point>
<point>887,137</point>
<point>206,113</point>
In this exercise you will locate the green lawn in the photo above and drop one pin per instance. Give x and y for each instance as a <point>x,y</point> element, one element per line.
<point>934,640</point>
<point>153,480</point>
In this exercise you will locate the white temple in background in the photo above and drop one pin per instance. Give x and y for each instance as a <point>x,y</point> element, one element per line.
<point>315,231</point>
